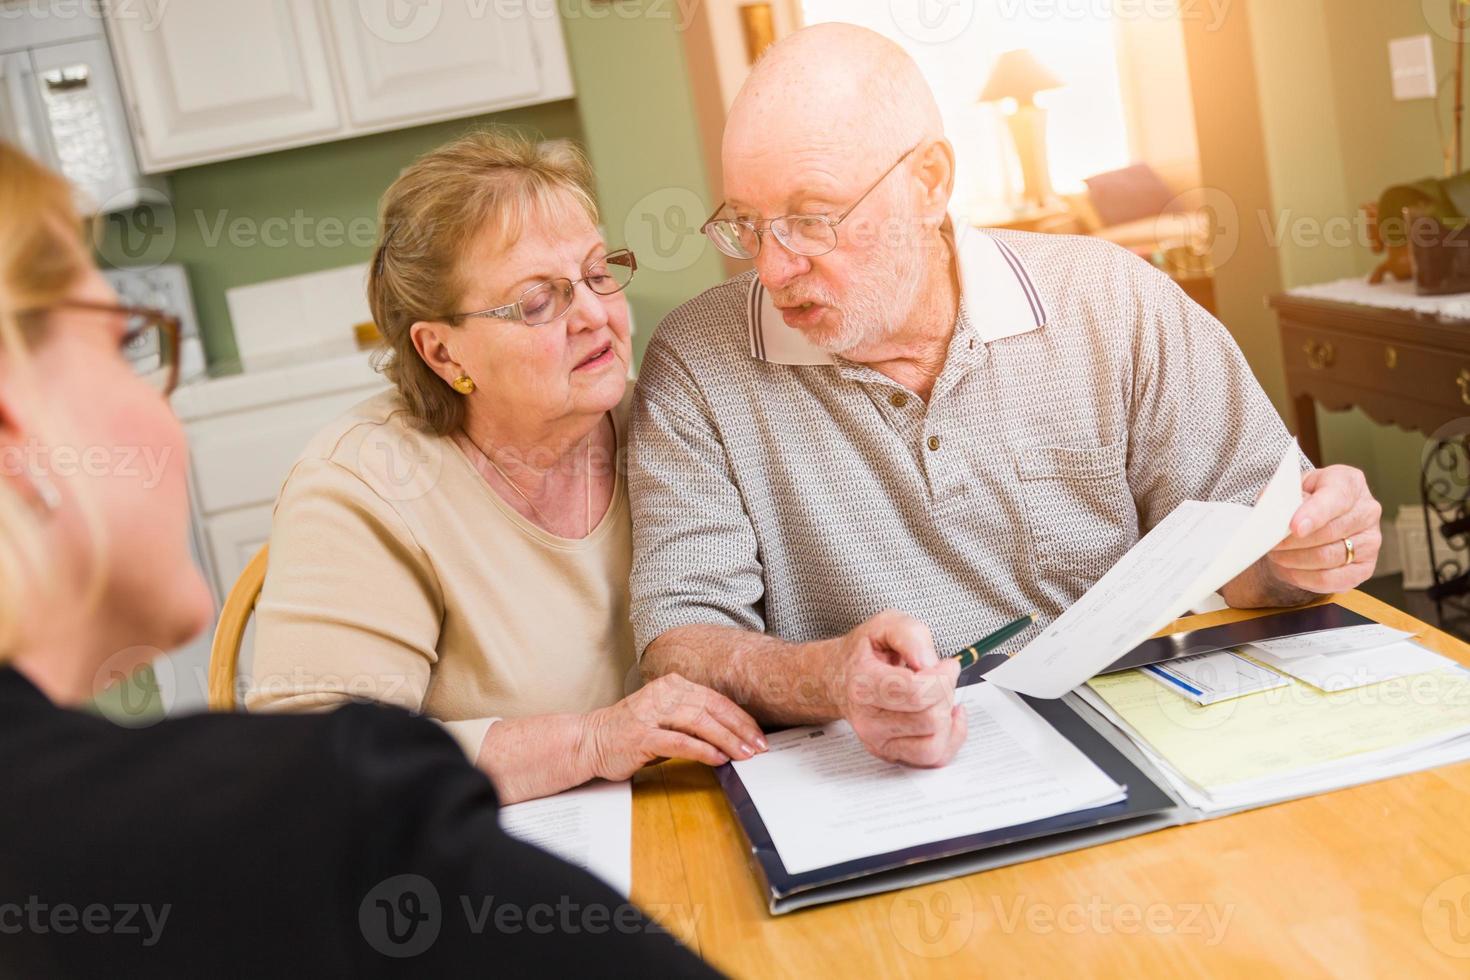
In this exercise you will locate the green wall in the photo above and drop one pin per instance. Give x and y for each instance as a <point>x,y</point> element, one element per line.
<point>303,210</point>
<point>1335,139</point>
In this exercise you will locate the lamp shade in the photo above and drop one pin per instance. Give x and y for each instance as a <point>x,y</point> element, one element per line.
<point>1018,75</point>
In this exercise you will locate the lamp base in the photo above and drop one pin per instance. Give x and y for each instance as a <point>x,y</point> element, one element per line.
<point>1028,130</point>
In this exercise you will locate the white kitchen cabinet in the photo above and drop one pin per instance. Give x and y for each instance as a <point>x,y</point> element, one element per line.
<point>454,68</point>
<point>211,79</point>
<point>216,79</point>
<point>245,432</point>
<point>235,537</point>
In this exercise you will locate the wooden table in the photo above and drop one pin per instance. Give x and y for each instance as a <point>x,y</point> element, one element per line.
<point>1400,367</point>
<point>1369,881</point>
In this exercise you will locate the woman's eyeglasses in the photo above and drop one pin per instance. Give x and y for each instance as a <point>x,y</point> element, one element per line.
<point>150,341</point>
<point>804,234</point>
<point>550,300</point>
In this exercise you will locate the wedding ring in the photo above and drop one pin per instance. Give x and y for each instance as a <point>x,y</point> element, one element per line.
<point>1348,544</point>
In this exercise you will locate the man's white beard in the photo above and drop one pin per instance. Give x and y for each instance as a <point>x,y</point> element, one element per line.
<point>875,308</point>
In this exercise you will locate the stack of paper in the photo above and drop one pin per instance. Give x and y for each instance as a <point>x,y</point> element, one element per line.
<point>590,826</point>
<point>1339,660</point>
<point>1291,741</point>
<point>826,800</point>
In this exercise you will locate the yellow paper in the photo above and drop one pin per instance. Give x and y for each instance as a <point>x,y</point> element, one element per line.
<point>1286,729</point>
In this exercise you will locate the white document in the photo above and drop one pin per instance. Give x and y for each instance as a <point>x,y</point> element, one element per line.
<point>1345,671</point>
<point>590,826</point>
<point>1191,553</point>
<point>825,799</point>
<point>1347,639</point>
<point>1210,677</point>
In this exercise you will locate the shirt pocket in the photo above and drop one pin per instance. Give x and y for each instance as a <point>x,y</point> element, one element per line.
<point>1080,513</point>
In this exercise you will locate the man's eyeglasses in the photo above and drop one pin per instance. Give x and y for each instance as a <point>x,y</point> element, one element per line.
<point>150,341</point>
<point>804,234</point>
<point>550,300</point>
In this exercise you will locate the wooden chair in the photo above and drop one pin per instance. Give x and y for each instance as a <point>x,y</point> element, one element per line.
<point>224,655</point>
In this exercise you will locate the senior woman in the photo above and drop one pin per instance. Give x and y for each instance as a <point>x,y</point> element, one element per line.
<point>461,544</point>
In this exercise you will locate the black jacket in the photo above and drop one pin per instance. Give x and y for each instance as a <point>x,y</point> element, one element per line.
<point>355,843</point>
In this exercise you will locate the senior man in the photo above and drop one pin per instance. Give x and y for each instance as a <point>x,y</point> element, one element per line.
<point>900,433</point>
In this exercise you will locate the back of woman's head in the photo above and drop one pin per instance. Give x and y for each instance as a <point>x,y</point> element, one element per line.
<point>41,259</point>
<point>93,496</point>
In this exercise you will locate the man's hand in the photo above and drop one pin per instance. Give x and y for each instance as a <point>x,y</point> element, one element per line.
<point>1314,558</point>
<point>895,691</point>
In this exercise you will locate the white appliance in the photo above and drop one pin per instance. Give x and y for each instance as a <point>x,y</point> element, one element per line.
<point>60,102</point>
<point>165,287</point>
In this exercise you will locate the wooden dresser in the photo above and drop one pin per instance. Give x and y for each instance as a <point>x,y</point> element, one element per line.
<point>1400,367</point>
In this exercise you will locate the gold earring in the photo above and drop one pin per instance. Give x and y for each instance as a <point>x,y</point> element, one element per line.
<point>463,384</point>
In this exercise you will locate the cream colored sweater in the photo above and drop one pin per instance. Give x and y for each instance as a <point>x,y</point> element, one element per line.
<point>396,573</point>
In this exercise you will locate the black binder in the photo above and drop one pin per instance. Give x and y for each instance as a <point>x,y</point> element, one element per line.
<point>1149,805</point>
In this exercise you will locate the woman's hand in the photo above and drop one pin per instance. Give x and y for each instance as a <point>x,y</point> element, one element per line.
<point>672,718</point>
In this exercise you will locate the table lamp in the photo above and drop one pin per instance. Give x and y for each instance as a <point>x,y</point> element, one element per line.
<point>1014,81</point>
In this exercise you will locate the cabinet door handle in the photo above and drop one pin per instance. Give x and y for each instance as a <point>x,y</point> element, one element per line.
<point>1391,357</point>
<point>1463,383</point>
<point>1321,355</point>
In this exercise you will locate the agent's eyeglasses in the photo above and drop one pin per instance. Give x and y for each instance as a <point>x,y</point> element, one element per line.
<point>804,234</point>
<point>550,300</point>
<point>150,341</point>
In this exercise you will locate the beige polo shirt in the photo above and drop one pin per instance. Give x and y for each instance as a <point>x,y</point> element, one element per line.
<point>781,489</point>
<point>396,573</point>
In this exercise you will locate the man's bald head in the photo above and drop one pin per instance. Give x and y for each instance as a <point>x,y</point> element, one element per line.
<point>823,127</point>
<point>838,85</point>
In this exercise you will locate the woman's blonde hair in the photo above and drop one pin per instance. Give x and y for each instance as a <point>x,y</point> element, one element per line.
<point>492,181</point>
<point>41,258</point>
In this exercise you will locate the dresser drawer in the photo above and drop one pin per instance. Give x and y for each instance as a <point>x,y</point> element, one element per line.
<point>1427,374</point>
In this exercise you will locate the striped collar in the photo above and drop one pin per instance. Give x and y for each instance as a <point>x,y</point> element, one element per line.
<point>996,289</point>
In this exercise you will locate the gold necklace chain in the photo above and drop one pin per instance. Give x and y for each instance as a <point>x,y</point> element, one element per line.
<point>586,479</point>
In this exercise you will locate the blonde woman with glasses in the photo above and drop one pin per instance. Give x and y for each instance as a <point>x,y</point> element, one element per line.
<point>461,544</point>
<point>334,845</point>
